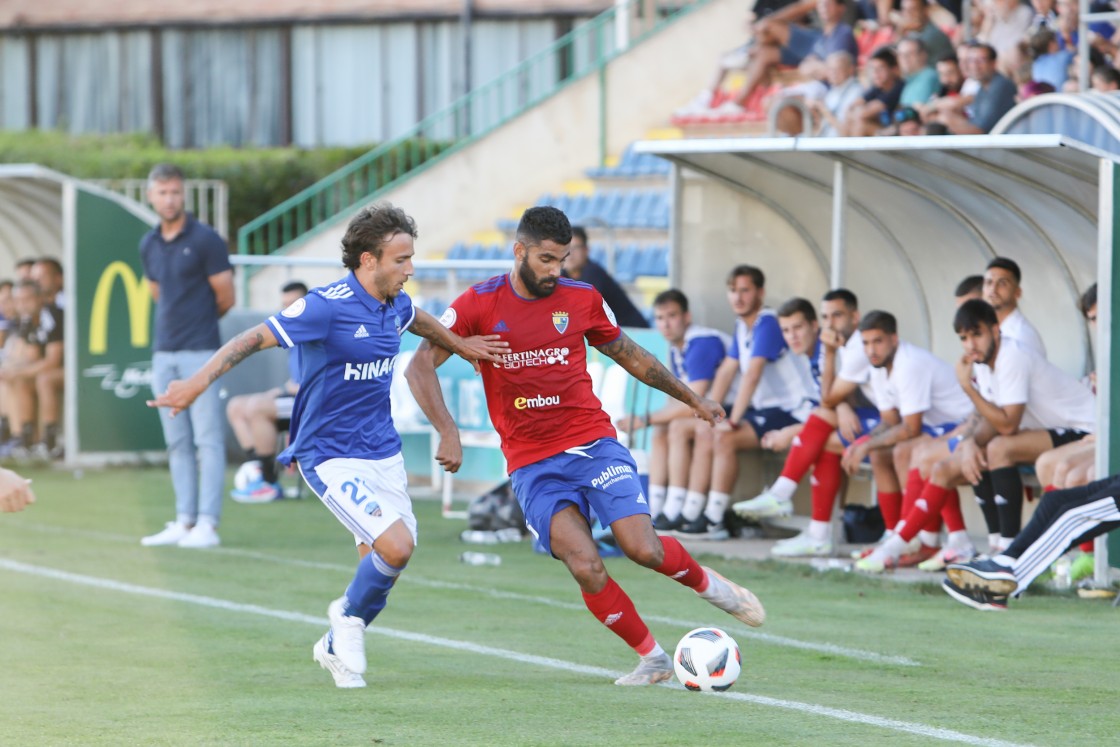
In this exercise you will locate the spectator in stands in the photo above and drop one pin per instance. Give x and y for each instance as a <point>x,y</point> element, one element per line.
<point>31,375</point>
<point>1062,519</point>
<point>835,36</point>
<point>844,89</point>
<point>769,34</point>
<point>580,266</point>
<point>1002,290</point>
<point>920,80</point>
<point>257,419</point>
<point>948,97</point>
<point>865,116</point>
<point>918,399</point>
<point>23,268</point>
<point>845,413</point>
<point>47,272</point>
<point>1105,78</point>
<point>776,389</point>
<point>1033,88</point>
<point>914,19</point>
<point>994,98</point>
<point>1005,24</point>
<point>695,354</point>
<point>15,492</point>
<point>1050,64</point>
<point>908,122</point>
<point>186,264</point>
<point>969,288</point>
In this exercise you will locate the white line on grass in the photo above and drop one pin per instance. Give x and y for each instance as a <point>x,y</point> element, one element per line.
<point>775,640</point>
<point>840,714</point>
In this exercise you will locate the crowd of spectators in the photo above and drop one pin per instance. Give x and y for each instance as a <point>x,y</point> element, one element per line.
<point>862,68</point>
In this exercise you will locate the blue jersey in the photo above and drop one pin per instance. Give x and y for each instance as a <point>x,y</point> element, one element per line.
<point>348,345</point>
<point>700,355</point>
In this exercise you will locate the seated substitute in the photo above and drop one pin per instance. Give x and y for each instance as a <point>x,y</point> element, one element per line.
<point>31,375</point>
<point>845,413</point>
<point>257,419</point>
<point>918,399</point>
<point>695,353</point>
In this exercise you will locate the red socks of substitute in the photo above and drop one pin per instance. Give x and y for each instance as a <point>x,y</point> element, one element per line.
<point>827,475</point>
<point>807,447</point>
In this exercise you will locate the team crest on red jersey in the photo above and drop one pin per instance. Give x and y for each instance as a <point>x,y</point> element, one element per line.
<point>560,321</point>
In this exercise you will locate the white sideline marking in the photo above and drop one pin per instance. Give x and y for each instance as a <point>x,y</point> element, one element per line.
<point>410,578</point>
<point>839,714</point>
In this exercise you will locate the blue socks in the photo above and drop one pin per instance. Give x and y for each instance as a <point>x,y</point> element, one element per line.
<point>368,592</point>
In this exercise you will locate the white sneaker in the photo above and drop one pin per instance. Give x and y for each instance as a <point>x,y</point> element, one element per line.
<point>733,599</point>
<point>947,556</point>
<point>650,671</point>
<point>802,546</point>
<point>349,642</point>
<point>699,104</point>
<point>172,533</point>
<point>203,535</point>
<point>343,677</point>
<point>763,506</point>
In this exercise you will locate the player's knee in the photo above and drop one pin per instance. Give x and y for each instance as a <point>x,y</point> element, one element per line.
<point>998,451</point>
<point>396,551</point>
<point>647,554</point>
<point>587,569</point>
<point>940,472</point>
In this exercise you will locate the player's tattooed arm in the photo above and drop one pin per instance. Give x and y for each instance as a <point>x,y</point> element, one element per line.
<point>643,366</point>
<point>474,349</point>
<point>180,394</point>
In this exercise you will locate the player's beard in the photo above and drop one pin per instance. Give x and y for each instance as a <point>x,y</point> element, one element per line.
<point>537,287</point>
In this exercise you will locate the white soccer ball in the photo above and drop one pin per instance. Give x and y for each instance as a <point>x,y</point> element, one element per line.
<point>707,659</point>
<point>247,474</point>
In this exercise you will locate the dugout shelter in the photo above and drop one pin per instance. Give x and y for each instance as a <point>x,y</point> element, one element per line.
<point>900,221</point>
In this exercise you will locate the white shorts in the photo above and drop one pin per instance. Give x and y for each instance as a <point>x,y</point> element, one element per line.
<point>366,495</point>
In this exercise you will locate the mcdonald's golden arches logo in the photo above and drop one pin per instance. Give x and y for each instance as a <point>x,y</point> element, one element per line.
<point>139,298</point>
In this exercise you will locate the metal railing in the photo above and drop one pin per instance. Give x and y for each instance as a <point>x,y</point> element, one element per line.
<point>587,49</point>
<point>206,199</point>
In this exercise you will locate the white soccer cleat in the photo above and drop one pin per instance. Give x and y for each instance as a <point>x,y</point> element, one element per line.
<point>733,599</point>
<point>650,671</point>
<point>349,641</point>
<point>343,677</point>
<point>766,505</point>
<point>202,536</point>
<point>172,534</point>
<point>802,546</point>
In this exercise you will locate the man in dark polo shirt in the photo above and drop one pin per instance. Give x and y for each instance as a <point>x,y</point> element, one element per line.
<point>187,267</point>
<point>580,266</point>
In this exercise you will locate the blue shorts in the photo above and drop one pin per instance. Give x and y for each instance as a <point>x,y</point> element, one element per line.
<point>937,431</point>
<point>868,419</point>
<point>801,43</point>
<point>600,476</point>
<point>768,419</point>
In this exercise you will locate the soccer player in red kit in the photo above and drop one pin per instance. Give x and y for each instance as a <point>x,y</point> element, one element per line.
<point>560,446</point>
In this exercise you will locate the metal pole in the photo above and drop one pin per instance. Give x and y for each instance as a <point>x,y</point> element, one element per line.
<point>1106,282</point>
<point>1083,45</point>
<point>465,20</point>
<point>839,224</point>
<point>621,24</point>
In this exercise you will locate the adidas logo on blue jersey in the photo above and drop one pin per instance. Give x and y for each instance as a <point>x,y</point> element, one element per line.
<point>361,332</point>
<point>342,290</point>
<point>501,326</point>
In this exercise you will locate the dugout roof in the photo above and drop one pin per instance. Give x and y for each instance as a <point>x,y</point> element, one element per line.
<point>921,213</point>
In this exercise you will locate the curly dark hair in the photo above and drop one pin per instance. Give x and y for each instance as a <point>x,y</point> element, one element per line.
<point>371,229</point>
<point>544,224</point>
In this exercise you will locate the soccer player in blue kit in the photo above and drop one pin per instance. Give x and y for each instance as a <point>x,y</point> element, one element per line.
<point>342,434</point>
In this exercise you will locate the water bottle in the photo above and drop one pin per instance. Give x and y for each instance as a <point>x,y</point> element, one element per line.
<point>509,534</point>
<point>478,537</point>
<point>1062,579</point>
<point>480,558</point>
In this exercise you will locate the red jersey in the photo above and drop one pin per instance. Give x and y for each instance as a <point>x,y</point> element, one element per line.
<point>540,398</point>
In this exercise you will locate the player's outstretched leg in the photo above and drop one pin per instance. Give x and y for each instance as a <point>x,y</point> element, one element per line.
<point>733,599</point>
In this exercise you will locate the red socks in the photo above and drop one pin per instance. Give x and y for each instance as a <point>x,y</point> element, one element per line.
<point>929,503</point>
<point>614,609</point>
<point>680,566</point>
<point>890,505</point>
<point>827,475</point>
<point>951,513</point>
<point>807,447</point>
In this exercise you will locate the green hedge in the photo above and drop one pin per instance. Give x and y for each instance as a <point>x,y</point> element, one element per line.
<point>258,178</point>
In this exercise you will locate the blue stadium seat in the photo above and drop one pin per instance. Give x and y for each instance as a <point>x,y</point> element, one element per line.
<point>626,263</point>
<point>598,254</point>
